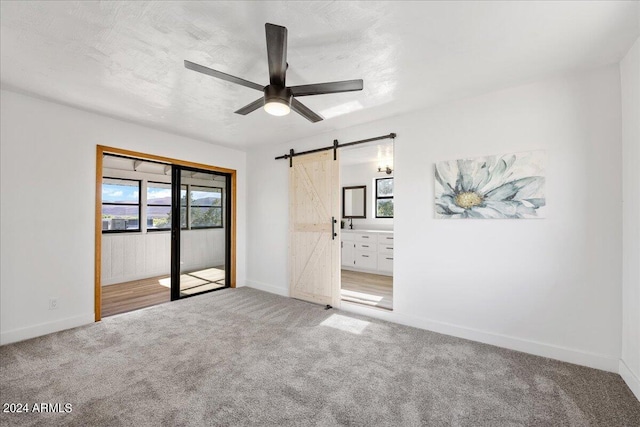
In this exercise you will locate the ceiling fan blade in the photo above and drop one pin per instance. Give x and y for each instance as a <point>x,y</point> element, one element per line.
<point>251,107</point>
<point>220,75</point>
<point>304,111</point>
<point>323,88</point>
<point>276,53</point>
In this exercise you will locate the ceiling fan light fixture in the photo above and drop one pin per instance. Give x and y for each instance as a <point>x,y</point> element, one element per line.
<point>277,107</point>
<point>277,100</point>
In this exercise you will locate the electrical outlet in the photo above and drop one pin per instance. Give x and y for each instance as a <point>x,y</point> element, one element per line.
<point>53,303</point>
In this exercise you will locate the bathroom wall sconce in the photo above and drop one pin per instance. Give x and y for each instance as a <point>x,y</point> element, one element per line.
<point>386,169</point>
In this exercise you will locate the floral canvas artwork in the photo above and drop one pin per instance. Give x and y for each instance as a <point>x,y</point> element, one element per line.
<point>507,186</point>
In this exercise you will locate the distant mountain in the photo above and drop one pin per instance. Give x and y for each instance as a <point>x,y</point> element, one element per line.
<point>154,211</point>
<point>159,201</point>
<point>207,201</point>
<point>204,201</point>
<point>118,210</point>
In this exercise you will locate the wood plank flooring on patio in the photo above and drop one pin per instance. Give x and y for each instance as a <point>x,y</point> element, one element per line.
<point>134,295</point>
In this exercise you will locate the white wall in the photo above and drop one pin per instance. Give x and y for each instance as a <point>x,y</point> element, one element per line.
<point>365,174</point>
<point>630,83</point>
<point>48,205</point>
<point>134,256</point>
<point>548,286</point>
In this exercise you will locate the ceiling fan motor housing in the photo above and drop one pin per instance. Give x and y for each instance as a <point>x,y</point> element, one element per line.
<point>281,95</point>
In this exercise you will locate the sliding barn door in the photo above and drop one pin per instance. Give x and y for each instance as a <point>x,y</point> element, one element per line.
<point>314,248</point>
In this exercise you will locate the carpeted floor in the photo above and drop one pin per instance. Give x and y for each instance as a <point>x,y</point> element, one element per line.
<point>245,357</point>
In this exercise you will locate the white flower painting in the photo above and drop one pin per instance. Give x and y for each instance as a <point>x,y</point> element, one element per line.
<point>507,186</point>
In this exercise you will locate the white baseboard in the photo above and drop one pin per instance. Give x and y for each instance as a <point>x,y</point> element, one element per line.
<point>630,378</point>
<point>28,332</point>
<point>564,354</point>
<point>267,288</point>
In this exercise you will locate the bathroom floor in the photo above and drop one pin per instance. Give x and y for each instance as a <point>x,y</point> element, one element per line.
<point>369,289</point>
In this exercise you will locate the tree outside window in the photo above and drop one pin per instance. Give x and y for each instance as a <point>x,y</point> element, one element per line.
<point>206,207</point>
<point>384,198</point>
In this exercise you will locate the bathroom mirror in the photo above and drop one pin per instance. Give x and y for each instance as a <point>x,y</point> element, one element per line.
<point>354,202</point>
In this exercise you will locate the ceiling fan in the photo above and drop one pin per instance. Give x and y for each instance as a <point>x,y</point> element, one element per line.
<point>279,99</point>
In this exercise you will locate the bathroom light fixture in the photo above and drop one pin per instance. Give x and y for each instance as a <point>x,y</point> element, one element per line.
<point>385,158</point>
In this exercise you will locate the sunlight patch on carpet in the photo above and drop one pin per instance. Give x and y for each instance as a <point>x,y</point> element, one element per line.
<point>344,323</point>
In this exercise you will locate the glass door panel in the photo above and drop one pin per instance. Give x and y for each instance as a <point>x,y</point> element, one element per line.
<point>201,261</point>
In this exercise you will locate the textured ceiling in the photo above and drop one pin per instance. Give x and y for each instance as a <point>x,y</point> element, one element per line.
<point>125,59</point>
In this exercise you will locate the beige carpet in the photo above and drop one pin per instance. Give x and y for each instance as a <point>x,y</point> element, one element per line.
<point>241,357</point>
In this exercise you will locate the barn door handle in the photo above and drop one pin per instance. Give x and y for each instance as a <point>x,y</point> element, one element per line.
<point>333,228</point>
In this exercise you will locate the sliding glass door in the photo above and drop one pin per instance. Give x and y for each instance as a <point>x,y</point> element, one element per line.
<point>200,231</point>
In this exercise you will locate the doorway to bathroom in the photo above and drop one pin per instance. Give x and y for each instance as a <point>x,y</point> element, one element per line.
<point>366,234</point>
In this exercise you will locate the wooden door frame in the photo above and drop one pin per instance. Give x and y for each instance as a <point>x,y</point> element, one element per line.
<point>101,150</point>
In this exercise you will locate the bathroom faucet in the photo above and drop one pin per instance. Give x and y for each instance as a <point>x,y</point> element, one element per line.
<point>351,223</point>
